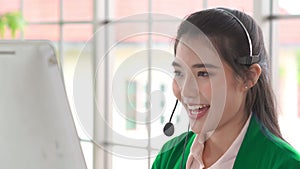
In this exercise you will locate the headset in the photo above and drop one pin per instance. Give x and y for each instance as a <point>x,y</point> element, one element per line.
<point>169,127</point>
<point>245,60</point>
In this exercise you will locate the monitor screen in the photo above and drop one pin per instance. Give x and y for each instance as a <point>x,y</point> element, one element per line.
<point>36,123</point>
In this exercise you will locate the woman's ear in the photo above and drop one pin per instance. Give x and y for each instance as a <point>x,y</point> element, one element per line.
<point>253,74</point>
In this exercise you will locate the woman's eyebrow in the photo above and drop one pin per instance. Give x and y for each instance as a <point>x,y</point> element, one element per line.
<point>174,64</point>
<point>201,65</point>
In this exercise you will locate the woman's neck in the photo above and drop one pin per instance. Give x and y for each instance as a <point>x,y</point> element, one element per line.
<point>223,137</point>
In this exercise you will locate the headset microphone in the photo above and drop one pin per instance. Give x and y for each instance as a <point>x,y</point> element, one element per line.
<point>169,127</point>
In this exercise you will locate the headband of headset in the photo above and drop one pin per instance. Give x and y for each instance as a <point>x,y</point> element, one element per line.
<point>245,60</point>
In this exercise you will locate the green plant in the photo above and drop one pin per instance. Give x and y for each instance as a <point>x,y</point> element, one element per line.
<point>13,21</point>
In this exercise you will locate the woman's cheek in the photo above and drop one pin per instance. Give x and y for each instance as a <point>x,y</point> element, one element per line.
<point>176,90</point>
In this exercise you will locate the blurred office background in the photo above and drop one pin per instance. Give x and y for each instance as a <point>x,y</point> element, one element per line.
<point>115,124</point>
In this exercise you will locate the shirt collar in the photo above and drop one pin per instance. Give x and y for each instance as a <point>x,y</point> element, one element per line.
<point>225,161</point>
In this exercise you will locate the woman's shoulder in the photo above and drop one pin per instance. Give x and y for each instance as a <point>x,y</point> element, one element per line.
<point>177,143</point>
<point>262,148</point>
<point>285,153</point>
<point>277,146</point>
<point>171,152</point>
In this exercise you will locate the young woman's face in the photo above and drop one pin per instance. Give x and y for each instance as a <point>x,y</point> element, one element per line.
<point>207,87</point>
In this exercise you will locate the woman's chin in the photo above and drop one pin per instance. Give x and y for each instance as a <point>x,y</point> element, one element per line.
<point>196,125</point>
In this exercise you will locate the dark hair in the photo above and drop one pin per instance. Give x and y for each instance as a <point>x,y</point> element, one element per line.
<point>229,38</point>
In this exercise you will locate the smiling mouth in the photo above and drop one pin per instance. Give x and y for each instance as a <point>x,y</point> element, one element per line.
<point>197,111</point>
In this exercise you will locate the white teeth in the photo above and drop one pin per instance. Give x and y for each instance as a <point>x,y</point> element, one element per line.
<point>194,109</point>
<point>194,112</point>
<point>197,107</point>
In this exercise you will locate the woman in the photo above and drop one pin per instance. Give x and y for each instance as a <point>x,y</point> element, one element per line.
<point>222,79</point>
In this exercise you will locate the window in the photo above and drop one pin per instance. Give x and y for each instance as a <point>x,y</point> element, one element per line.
<point>286,51</point>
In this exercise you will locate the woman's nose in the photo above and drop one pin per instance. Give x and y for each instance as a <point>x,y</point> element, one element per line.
<point>190,89</point>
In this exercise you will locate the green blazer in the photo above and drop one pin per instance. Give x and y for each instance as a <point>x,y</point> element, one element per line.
<point>260,149</point>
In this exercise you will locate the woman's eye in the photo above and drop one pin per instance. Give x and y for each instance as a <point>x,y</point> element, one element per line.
<point>203,74</point>
<point>177,73</point>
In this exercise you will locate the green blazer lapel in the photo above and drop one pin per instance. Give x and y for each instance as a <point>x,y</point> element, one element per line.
<point>250,149</point>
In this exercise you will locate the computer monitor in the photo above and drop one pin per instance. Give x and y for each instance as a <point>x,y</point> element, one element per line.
<point>37,130</point>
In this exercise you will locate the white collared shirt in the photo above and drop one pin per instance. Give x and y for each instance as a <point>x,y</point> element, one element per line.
<point>226,161</point>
